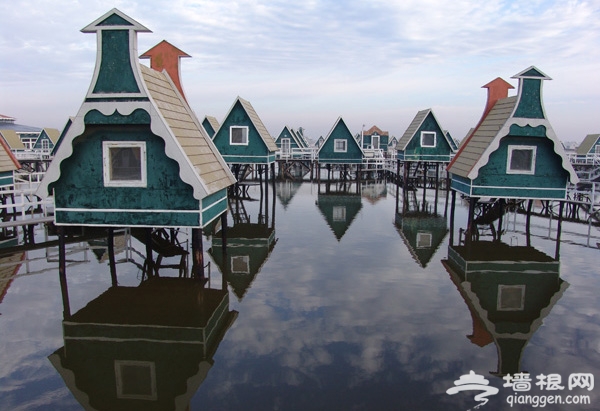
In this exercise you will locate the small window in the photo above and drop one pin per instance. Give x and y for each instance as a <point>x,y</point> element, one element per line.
<point>124,163</point>
<point>511,297</point>
<point>597,149</point>
<point>340,146</point>
<point>240,264</point>
<point>135,380</point>
<point>521,160</point>
<point>339,213</point>
<point>424,240</point>
<point>427,138</point>
<point>238,135</point>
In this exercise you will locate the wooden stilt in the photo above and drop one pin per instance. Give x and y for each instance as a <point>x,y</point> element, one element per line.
<point>62,272</point>
<point>197,253</point>
<point>528,223</point>
<point>224,231</point>
<point>452,217</point>
<point>111,256</point>
<point>559,230</point>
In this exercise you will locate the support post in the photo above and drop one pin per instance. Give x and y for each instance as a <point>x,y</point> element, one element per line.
<point>62,272</point>
<point>111,256</point>
<point>197,253</point>
<point>559,230</point>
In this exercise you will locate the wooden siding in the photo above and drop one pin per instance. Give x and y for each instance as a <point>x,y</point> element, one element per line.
<point>192,138</point>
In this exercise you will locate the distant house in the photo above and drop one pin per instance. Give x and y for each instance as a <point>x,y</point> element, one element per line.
<point>242,138</point>
<point>46,140</point>
<point>8,164</point>
<point>319,141</point>
<point>425,140</point>
<point>135,154</point>
<point>513,152</point>
<point>589,148</point>
<point>211,125</point>
<point>288,140</point>
<point>340,147</point>
<point>375,138</point>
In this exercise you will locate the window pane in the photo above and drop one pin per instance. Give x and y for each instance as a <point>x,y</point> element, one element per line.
<point>428,139</point>
<point>521,160</point>
<point>238,135</point>
<point>125,163</point>
<point>136,380</point>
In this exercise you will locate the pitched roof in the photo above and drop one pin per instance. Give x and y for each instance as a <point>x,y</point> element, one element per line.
<point>256,122</point>
<point>412,129</point>
<point>340,119</point>
<point>198,147</point>
<point>214,123</point>
<point>586,145</point>
<point>12,139</point>
<point>53,134</point>
<point>478,142</point>
<point>377,130</point>
<point>8,161</point>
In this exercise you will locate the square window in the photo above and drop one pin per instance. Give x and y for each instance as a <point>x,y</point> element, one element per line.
<point>240,264</point>
<point>135,380</point>
<point>424,240</point>
<point>339,213</point>
<point>238,135</point>
<point>427,138</point>
<point>340,146</point>
<point>521,160</point>
<point>124,163</point>
<point>511,297</point>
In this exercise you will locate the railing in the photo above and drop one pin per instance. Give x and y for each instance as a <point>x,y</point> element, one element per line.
<point>32,154</point>
<point>308,153</point>
<point>20,199</point>
<point>593,159</point>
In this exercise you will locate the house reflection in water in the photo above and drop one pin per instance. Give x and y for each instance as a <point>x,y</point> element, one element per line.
<point>340,203</point>
<point>421,228</point>
<point>509,291</point>
<point>249,244</point>
<point>147,347</point>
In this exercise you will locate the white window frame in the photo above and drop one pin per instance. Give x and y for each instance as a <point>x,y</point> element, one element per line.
<point>45,144</point>
<point>502,288</point>
<point>373,138</point>
<point>286,145</point>
<point>512,148</point>
<point>245,135</point>
<point>119,364</point>
<point>340,150</point>
<point>424,133</point>
<point>106,169</point>
<point>424,235</point>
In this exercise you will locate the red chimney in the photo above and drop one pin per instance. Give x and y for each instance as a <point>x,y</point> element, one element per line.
<point>165,56</point>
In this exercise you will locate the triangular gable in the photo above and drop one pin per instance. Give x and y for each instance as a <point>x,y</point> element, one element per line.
<point>415,125</point>
<point>374,130</point>
<point>256,122</point>
<point>289,134</point>
<point>211,125</point>
<point>340,123</point>
<point>51,133</point>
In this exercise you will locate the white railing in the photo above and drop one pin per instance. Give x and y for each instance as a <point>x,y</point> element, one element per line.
<point>587,159</point>
<point>20,198</point>
<point>32,154</point>
<point>308,153</point>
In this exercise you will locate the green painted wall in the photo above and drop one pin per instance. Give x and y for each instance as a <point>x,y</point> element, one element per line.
<point>208,128</point>
<point>414,151</point>
<point>115,74</point>
<point>81,184</point>
<point>383,141</point>
<point>354,153</point>
<point>256,152</point>
<point>285,133</point>
<point>530,103</point>
<point>43,137</point>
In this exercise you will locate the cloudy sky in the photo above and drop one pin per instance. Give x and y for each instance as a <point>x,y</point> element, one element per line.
<point>307,63</point>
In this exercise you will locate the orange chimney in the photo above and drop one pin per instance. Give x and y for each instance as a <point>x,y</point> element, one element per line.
<point>165,56</point>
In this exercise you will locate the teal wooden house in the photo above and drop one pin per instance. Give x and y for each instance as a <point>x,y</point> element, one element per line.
<point>513,152</point>
<point>46,140</point>
<point>375,138</point>
<point>340,146</point>
<point>509,291</point>
<point>425,140</point>
<point>242,138</point>
<point>288,140</point>
<point>135,154</point>
<point>211,125</point>
<point>148,347</point>
<point>589,149</point>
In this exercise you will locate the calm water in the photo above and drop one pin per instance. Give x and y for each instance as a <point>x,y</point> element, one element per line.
<point>332,302</point>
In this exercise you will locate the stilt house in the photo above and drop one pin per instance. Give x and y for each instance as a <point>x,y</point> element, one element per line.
<point>339,146</point>
<point>513,152</point>
<point>242,138</point>
<point>425,140</point>
<point>288,140</point>
<point>135,154</point>
<point>589,149</point>
<point>376,139</point>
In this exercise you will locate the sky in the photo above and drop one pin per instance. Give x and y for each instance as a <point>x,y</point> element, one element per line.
<point>304,64</point>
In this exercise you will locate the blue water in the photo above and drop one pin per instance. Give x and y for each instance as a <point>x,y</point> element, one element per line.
<point>337,314</point>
